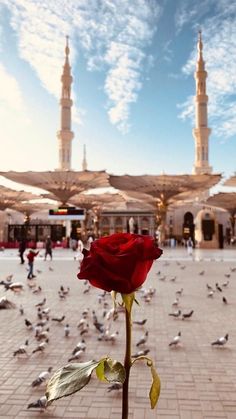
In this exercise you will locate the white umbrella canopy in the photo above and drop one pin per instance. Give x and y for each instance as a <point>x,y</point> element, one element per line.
<point>61,185</point>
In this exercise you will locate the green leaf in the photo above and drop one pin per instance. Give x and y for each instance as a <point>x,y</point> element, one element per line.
<point>69,379</point>
<point>100,371</point>
<point>128,300</point>
<point>114,371</point>
<point>155,388</point>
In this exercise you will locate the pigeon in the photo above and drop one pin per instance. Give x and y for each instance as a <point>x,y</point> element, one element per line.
<point>201,273</point>
<point>67,330</point>
<point>43,334</point>
<point>112,338</point>
<point>58,319</point>
<point>224,300</point>
<point>15,287</point>
<point>80,346</point>
<point>175,314</point>
<point>50,268</point>
<point>175,303</point>
<point>143,339</point>
<point>227,275</point>
<point>176,340</point>
<point>221,341</point>
<point>179,292</point>
<point>225,284</point>
<point>141,353</point>
<point>173,278</point>
<point>210,294</point>
<point>5,304</point>
<point>233,269</point>
<point>76,356</point>
<point>64,291</point>
<point>86,291</point>
<point>45,311</point>
<point>187,315</point>
<point>43,322</point>
<point>41,303</point>
<point>22,349</point>
<point>37,290</point>
<point>115,386</point>
<point>182,267</point>
<point>43,376</point>
<point>84,330</point>
<point>38,271</point>
<point>39,404</point>
<point>41,347</point>
<point>140,322</point>
<point>21,310</point>
<point>209,287</point>
<point>162,278</point>
<point>81,323</point>
<point>99,327</point>
<point>218,287</point>
<point>85,313</point>
<point>28,324</point>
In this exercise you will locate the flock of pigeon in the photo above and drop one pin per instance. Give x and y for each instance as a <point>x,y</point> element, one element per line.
<point>177,313</point>
<point>98,321</point>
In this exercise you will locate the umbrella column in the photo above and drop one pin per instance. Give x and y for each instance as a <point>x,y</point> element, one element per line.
<point>162,207</point>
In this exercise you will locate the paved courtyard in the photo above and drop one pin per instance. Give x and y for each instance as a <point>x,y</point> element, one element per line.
<point>198,380</point>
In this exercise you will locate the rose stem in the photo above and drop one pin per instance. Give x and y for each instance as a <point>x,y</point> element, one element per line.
<point>127,366</point>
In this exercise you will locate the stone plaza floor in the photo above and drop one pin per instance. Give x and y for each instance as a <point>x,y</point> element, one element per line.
<point>198,380</point>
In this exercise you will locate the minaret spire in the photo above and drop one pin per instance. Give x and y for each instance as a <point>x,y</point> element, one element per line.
<point>201,131</point>
<point>84,163</point>
<point>65,135</point>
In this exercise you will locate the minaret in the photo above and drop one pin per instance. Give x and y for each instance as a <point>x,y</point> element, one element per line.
<point>84,162</point>
<point>201,132</point>
<point>65,135</point>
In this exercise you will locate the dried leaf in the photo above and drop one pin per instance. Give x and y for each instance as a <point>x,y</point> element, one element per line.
<point>69,379</point>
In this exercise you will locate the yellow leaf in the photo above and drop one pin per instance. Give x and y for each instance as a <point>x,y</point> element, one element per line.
<point>155,387</point>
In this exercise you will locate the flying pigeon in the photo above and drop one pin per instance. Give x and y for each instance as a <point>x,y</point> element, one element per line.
<point>221,341</point>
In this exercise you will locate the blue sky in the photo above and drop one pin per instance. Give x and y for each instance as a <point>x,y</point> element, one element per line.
<point>132,64</point>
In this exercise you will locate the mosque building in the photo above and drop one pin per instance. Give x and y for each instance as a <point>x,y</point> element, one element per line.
<point>181,216</point>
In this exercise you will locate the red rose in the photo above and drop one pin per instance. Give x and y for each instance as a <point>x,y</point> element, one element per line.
<point>119,262</point>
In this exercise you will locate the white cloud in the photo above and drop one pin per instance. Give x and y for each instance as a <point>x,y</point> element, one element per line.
<point>219,37</point>
<point>11,99</point>
<point>104,30</point>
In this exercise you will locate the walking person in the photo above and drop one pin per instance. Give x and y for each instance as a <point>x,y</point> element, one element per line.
<point>22,247</point>
<point>48,248</point>
<point>190,246</point>
<point>31,255</point>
